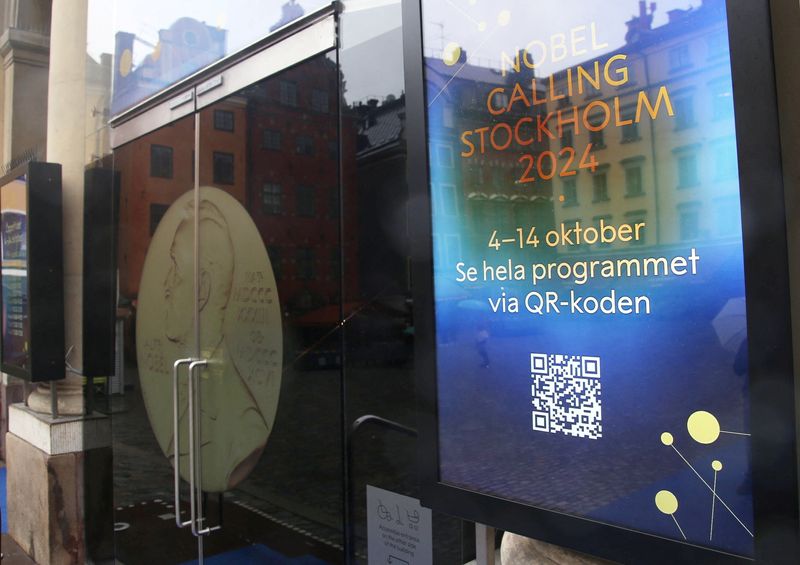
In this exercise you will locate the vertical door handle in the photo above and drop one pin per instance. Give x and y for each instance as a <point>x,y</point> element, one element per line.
<point>195,463</point>
<point>176,452</point>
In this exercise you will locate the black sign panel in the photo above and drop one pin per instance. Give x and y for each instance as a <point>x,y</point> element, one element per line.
<point>32,276</point>
<point>596,197</point>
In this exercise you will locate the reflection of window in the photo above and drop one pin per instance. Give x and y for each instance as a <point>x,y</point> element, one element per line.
<point>600,187</point>
<point>687,170</point>
<point>634,218</point>
<point>689,218</point>
<point>305,201</point>
<point>500,100</point>
<point>275,258</point>
<point>288,95</point>
<point>319,100</point>
<point>271,139</point>
<point>679,57</point>
<point>305,263</point>
<point>596,138</point>
<point>304,145</point>
<point>223,168</point>
<point>570,192</point>
<point>684,112</point>
<point>157,212</point>
<point>448,199</point>
<point>444,156</point>
<point>630,132</point>
<point>633,181</point>
<point>271,198</point>
<point>725,162</point>
<point>722,100</point>
<point>223,120</point>
<point>447,116</point>
<point>566,138</point>
<point>161,161</point>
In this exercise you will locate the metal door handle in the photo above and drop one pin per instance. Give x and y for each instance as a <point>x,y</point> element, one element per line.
<point>195,473</point>
<point>176,442</point>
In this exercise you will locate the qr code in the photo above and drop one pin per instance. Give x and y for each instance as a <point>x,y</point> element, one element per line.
<point>566,395</point>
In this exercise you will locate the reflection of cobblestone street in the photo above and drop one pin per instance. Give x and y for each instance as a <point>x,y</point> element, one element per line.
<point>298,480</point>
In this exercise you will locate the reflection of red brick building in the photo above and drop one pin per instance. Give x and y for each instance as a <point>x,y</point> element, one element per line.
<point>275,148</point>
<point>156,169</point>
<point>293,182</point>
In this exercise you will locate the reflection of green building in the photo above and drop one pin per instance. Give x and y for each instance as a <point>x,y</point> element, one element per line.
<point>483,190</point>
<point>677,174</point>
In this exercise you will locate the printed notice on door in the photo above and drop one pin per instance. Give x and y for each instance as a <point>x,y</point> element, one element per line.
<point>399,530</point>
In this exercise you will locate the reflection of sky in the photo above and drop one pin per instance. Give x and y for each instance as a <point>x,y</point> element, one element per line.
<point>460,21</point>
<point>371,33</point>
<point>245,20</point>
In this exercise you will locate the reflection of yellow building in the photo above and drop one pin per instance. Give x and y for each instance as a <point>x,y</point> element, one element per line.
<point>675,173</point>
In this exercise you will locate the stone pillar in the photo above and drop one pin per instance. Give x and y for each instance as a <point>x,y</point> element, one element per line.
<point>518,550</point>
<point>66,143</point>
<point>59,469</point>
<point>59,487</point>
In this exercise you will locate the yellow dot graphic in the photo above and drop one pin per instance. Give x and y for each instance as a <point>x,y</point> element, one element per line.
<point>125,62</point>
<point>482,26</point>
<point>666,502</point>
<point>504,18</point>
<point>703,427</point>
<point>716,465</point>
<point>666,438</point>
<point>452,53</point>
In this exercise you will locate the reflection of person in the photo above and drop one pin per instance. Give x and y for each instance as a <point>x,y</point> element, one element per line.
<point>232,428</point>
<point>481,344</point>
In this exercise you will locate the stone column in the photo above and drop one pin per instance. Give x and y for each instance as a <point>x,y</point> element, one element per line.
<point>59,469</point>
<point>518,550</point>
<point>66,142</point>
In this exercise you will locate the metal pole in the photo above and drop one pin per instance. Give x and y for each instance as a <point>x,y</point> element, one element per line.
<point>484,544</point>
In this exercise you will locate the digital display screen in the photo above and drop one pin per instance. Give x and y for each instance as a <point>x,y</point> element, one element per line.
<point>14,234</point>
<point>590,307</point>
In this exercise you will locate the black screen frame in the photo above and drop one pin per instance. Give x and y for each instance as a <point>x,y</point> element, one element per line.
<point>45,280</point>
<point>766,260</point>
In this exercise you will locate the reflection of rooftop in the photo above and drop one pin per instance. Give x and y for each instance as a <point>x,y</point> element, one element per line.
<point>380,125</point>
<point>289,12</point>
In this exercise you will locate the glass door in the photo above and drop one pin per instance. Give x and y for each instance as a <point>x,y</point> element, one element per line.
<point>230,269</point>
<point>269,272</point>
<point>150,422</point>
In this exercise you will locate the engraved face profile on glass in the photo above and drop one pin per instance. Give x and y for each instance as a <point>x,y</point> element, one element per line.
<point>239,331</point>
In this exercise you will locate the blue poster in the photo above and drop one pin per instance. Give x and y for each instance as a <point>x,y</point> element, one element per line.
<point>589,282</point>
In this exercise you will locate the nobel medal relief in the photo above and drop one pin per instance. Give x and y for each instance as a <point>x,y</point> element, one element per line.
<point>240,335</point>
